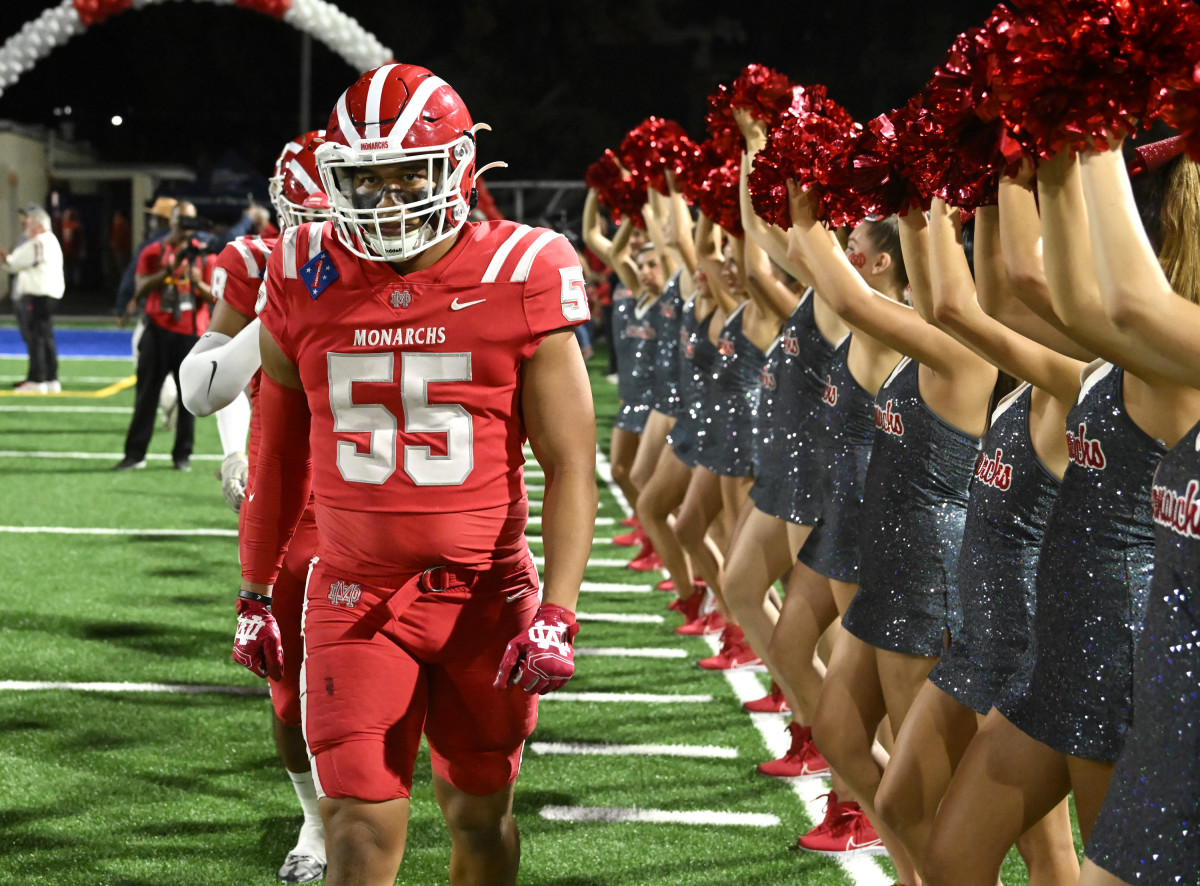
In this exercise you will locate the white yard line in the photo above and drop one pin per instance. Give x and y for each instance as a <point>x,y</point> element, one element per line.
<point>103,530</point>
<point>586,749</point>
<point>616,814</point>
<point>183,688</point>
<point>122,410</point>
<point>99,456</point>
<point>533,521</point>
<point>620,618</point>
<point>622,652</point>
<point>609,587</point>
<point>626,697</point>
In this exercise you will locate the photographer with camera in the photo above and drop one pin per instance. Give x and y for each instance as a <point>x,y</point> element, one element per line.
<point>174,276</point>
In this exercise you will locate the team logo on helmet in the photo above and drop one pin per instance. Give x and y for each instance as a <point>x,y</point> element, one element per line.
<point>401,298</point>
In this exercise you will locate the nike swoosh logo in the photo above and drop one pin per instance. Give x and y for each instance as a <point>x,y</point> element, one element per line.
<point>212,377</point>
<point>519,595</point>
<point>457,305</point>
<point>853,844</point>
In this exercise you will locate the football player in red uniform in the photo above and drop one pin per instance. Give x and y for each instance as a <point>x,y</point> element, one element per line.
<point>407,354</point>
<point>214,377</point>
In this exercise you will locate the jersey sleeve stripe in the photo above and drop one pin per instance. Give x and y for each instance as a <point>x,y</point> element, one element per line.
<point>521,274</point>
<point>374,94</point>
<point>493,269</point>
<point>248,257</point>
<point>414,107</point>
<point>290,268</point>
<point>315,230</point>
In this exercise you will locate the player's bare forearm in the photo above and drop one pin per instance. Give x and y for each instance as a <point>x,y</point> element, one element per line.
<point>561,424</point>
<point>568,522</point>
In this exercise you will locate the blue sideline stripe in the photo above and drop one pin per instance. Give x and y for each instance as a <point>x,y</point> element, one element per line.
<point>104,344</point>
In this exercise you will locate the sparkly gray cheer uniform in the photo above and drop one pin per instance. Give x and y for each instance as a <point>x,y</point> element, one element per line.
<point>635,344</point>
<point>845,434</point>
<point>1147,829</point>
<point>913,511</point>
<point>785,464</point>
<point>697,356</point>
<point>734,394</point>
<point>1093,577</point>
<point>1011,496</point>
<point>666,317</point>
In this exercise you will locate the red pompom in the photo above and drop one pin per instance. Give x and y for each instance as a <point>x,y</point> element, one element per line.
<point>722,128</point>
<point>808,147</point>
<point>653,147</point>
<point>970,131</point>
<point>620,193</point>
<point>1174,62</point>
<point>869,182</point>
<point>1071,73</point>
<point>767,94</point>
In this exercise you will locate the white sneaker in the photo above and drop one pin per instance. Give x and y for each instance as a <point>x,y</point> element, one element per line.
<point>306,862</point>
<point>53,387</point>
<point>298,868</point>
<point>31,387</point>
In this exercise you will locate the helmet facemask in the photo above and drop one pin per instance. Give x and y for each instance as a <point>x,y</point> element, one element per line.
<point>381,219</point>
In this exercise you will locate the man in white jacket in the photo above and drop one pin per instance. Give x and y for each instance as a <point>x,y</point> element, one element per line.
<point>38,263</point>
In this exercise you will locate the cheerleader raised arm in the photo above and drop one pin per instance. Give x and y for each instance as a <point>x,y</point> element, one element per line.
<point>1139,289</point>
<point>1147,278</point>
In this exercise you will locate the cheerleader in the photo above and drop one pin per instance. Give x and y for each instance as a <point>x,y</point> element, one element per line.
<point>677,255</point>
<point>1064,731</point>
<point>750,333</point>
<point>783,459</point>
<point>703,526</point>
<point>929,415</point>
<point>1016,481</point>
<point>1145,832</point>
<point>632,383</point>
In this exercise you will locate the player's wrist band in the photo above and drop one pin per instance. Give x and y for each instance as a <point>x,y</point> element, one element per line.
<point>258,598</point>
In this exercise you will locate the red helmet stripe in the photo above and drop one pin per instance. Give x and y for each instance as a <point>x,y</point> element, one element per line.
<point>374,97</point>
<point>414,107</point>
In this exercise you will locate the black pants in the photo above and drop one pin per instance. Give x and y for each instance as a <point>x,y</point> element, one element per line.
<point>160,354</point>
<point>35,318</point>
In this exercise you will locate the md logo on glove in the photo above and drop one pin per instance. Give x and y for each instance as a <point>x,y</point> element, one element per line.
<point>541,659</point>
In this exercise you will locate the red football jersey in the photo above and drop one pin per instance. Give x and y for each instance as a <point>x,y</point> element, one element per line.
<point>414,383</point>
<point>239,272</point>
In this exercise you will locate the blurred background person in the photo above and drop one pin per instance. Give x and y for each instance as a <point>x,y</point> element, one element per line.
<point>37,262</point>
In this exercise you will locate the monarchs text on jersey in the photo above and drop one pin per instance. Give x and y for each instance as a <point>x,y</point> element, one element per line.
<point>413,382</point>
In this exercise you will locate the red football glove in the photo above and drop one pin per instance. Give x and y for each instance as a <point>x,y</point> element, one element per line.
<point>541,659</point>
<point>256,645</point>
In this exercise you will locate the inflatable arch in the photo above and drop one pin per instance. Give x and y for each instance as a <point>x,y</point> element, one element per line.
<point>58,24</point>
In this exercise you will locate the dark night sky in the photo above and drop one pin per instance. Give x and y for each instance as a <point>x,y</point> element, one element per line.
<point>559,81</point>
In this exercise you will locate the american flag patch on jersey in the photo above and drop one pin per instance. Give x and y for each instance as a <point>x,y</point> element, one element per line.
<point>318,273</point>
